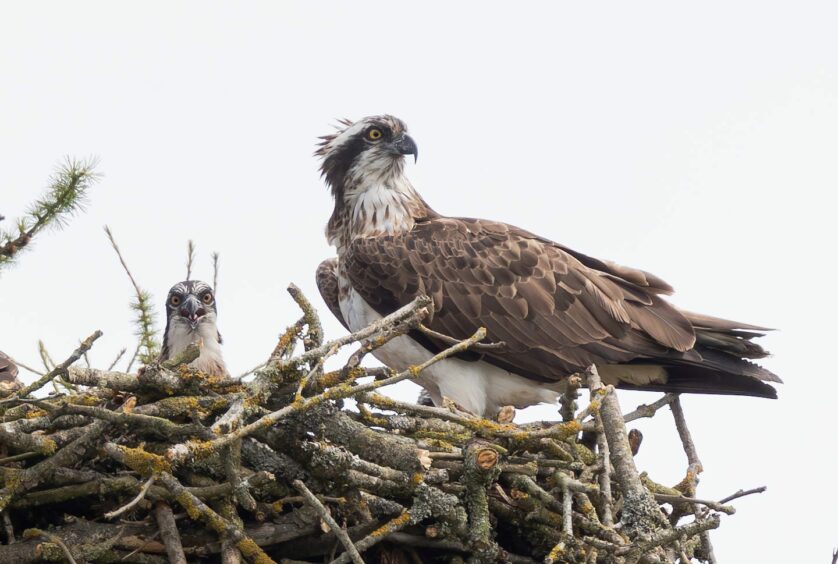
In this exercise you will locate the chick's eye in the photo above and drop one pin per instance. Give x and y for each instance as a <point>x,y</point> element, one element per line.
<point>174,300</point>
<point>374,134</point>
<point>207,298</point>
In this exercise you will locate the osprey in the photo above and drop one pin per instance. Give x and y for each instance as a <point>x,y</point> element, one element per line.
<point>9,382</point>
<point>549,310</point>
<point>190,318</point>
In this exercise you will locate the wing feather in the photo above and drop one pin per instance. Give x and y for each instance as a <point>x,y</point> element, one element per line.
<point>553,312</point>
<point>557,310</point>
<point>326,277</point>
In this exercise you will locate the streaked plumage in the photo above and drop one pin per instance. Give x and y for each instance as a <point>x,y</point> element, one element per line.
<point>191,317</point>
<point>9,381</point>
<point>557,311</point>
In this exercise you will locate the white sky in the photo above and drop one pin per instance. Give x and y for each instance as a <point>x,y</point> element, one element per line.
<point>698,142</point>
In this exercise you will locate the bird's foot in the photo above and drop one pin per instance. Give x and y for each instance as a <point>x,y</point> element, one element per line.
<point>454,407</point>
<point>506,414</point>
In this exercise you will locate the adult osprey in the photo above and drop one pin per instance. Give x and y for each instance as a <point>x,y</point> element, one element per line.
<point>191,318</point>
<point>555,311</point>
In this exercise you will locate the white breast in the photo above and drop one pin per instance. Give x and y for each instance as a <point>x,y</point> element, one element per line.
<point>206,336</point>
<point>478,387</point>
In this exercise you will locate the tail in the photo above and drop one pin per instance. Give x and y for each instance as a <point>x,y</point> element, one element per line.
<point>720,362</point>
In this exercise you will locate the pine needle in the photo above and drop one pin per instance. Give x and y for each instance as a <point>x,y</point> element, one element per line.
<point>148,346</point>
<point>65,196</point>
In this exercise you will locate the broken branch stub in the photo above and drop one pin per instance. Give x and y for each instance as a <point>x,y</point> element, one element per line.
<point>280,469</point>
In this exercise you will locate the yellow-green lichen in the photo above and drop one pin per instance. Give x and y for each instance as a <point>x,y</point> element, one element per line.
<point>144,462</point>
<point>84,399</point>
<point>48,446</point>
<point>200,449</point>
<point>253,553</point>
<point>583,453</point>
<point>185,501</point>
<point>391,526</point>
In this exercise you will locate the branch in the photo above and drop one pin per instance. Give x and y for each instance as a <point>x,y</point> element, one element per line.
<point>133,502</point>
<point>59,370</point>
<point>640,512</point>
<point>184,451</point>
<point>742,493</point>
<point>147,346</point>
<point>168,532</point>
<point>478,347</point>
<point>330,521</point>
<point>66,195</point>
<point>190,258</point>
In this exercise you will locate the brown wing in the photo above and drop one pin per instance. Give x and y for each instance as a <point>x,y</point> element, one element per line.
<point>557,311</point>
<point>327,282</point>
<point>8,375</point>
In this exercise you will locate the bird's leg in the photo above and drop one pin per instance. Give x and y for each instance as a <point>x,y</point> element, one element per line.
<point>454,407</point>
<point>569,397</point>
<point>505,414</point>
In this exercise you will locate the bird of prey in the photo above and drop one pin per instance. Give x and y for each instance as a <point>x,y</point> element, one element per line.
<point>191,318</point>
<point>9,382</point>
<point>550,311</point>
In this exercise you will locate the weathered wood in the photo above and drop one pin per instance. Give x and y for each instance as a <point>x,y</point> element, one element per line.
<point>279,468</point>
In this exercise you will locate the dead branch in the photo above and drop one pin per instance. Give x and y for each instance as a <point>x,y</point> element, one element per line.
<point>278,469</point>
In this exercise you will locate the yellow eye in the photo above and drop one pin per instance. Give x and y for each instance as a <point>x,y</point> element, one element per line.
<point>175,300</point>
<point>207,298</point>
<point>374,134</point>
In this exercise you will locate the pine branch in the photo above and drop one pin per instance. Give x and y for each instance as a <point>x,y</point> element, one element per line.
<point>148,347</point>
<point>66,196</point>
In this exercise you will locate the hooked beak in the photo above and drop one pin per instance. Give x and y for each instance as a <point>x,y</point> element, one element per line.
<point>405,145</point>
<point>192,311</point>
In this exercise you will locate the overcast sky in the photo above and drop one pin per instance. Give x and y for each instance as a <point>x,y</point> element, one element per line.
<point>697,142</point>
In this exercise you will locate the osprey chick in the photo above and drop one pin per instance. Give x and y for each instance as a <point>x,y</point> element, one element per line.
<point>556,311</point>
<point>191,318</point>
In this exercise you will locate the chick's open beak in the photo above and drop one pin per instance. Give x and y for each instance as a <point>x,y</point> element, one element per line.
<point>192,311</point>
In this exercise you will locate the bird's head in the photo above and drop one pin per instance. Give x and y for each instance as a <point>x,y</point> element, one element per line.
<point>369,150</point>
<point>190,303</point>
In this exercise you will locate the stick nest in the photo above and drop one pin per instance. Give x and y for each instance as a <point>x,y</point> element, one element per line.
<point>174,465</point>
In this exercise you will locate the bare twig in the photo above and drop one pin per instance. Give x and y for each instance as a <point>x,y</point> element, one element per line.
<point>27,368</point>
<point>181,452</point>
<point>148,347</point>
<point>714,505</point>
<point>742,493</point>
<point>330,521</point>
<point>119,356</point>
<point>117,512</point>
<point>215,268</point>
<point>472,485</point>
<point>642,411</point>
<point>190,258</point>
<point>59,370</point>
<point>55,539</point>
<point>640,512</point>
<point>478,347</point>
<point>605,474</point>
<point>167,527</point>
